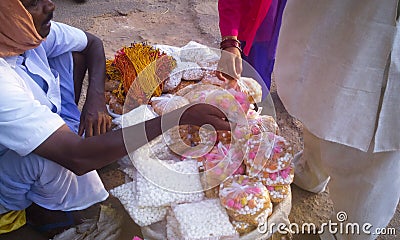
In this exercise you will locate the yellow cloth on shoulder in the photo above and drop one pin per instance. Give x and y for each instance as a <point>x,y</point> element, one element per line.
<point>12,220</point>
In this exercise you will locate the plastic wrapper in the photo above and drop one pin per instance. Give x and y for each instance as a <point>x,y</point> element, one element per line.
<point>196,92</point>
<point>245,198</point>
<point>281,177</point>
<point>211,78</point>
<point>251,87</point>
<point>256,124</point>
<point>203,220</point>
<point>267,152</point>
<point>191,71</point>
<point>167,103</point>
<point>233,103</point>
<point>198,53</point>
<point>221,162</point>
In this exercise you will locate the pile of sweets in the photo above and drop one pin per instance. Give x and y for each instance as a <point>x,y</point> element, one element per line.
<point>199,220</point>
<point>147,202</point>
<point>246,200</point>
<point>259,178</point>
<point>142,71</point>
<point>161,183</point>
<point>143,216</point>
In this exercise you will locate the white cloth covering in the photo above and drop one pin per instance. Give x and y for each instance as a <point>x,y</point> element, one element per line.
<point>337,71</point>
<point>27,120</point>
<point>367,190</point>
<point>330,70</point>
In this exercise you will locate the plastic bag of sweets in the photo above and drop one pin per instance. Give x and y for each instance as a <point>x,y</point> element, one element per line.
<point>281,155</point>
<point>267,152</point>
<point>233,103</point>
<point>221,162</point>
<point>167,103</point>
<point>258,150</point>
<point>254,125</point>
<point>245,198</point>
<point>278,193</point>
<point>278,178</point>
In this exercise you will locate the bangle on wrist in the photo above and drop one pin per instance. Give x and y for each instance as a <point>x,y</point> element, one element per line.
<point>230,42</point>
<point>228,37</point>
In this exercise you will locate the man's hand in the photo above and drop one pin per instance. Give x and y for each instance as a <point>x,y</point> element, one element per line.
<point>95,119</point>
<point>201,114</point>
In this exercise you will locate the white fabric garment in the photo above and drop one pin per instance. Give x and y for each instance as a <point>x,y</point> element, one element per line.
<point>367,191</point>
<point>26,120</point>
<point>330,70</point>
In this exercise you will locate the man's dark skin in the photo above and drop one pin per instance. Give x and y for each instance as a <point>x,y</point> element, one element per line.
<point>82,155</point>
<point>100,147</point>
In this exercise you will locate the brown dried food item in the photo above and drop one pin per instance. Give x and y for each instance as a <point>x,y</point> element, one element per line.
<point>182,87</point>
<point>167,103</point>
<point>111,85</point>
<point>212,79</point>
<point>107,96</point>
<point>115,106</point>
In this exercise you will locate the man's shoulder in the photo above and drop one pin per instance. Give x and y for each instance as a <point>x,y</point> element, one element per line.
<point>5,65</point>
<point>62,27</point>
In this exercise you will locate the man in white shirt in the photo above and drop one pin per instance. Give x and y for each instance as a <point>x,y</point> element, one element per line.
<point>42,158</point>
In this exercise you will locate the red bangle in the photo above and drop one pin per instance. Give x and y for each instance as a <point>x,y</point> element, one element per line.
<point>230,42</point>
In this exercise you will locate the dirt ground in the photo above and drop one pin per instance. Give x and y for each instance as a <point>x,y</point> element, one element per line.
<point>174,22</point>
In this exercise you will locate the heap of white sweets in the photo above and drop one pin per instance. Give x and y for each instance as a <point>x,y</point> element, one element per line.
<point>199,220</point>
<point>143,216</point>
<point>147,202</point>
<point>156,188</point>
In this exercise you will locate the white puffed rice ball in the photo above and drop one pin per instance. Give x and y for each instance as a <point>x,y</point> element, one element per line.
<point>203,220</point>
<point>143,216</point>
<point>196,52</point>
<point>191,71</point>
<point>170,183</point>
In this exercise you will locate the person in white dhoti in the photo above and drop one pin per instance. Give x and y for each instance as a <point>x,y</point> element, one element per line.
<point>338,71</point>
<point>43,159</point>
